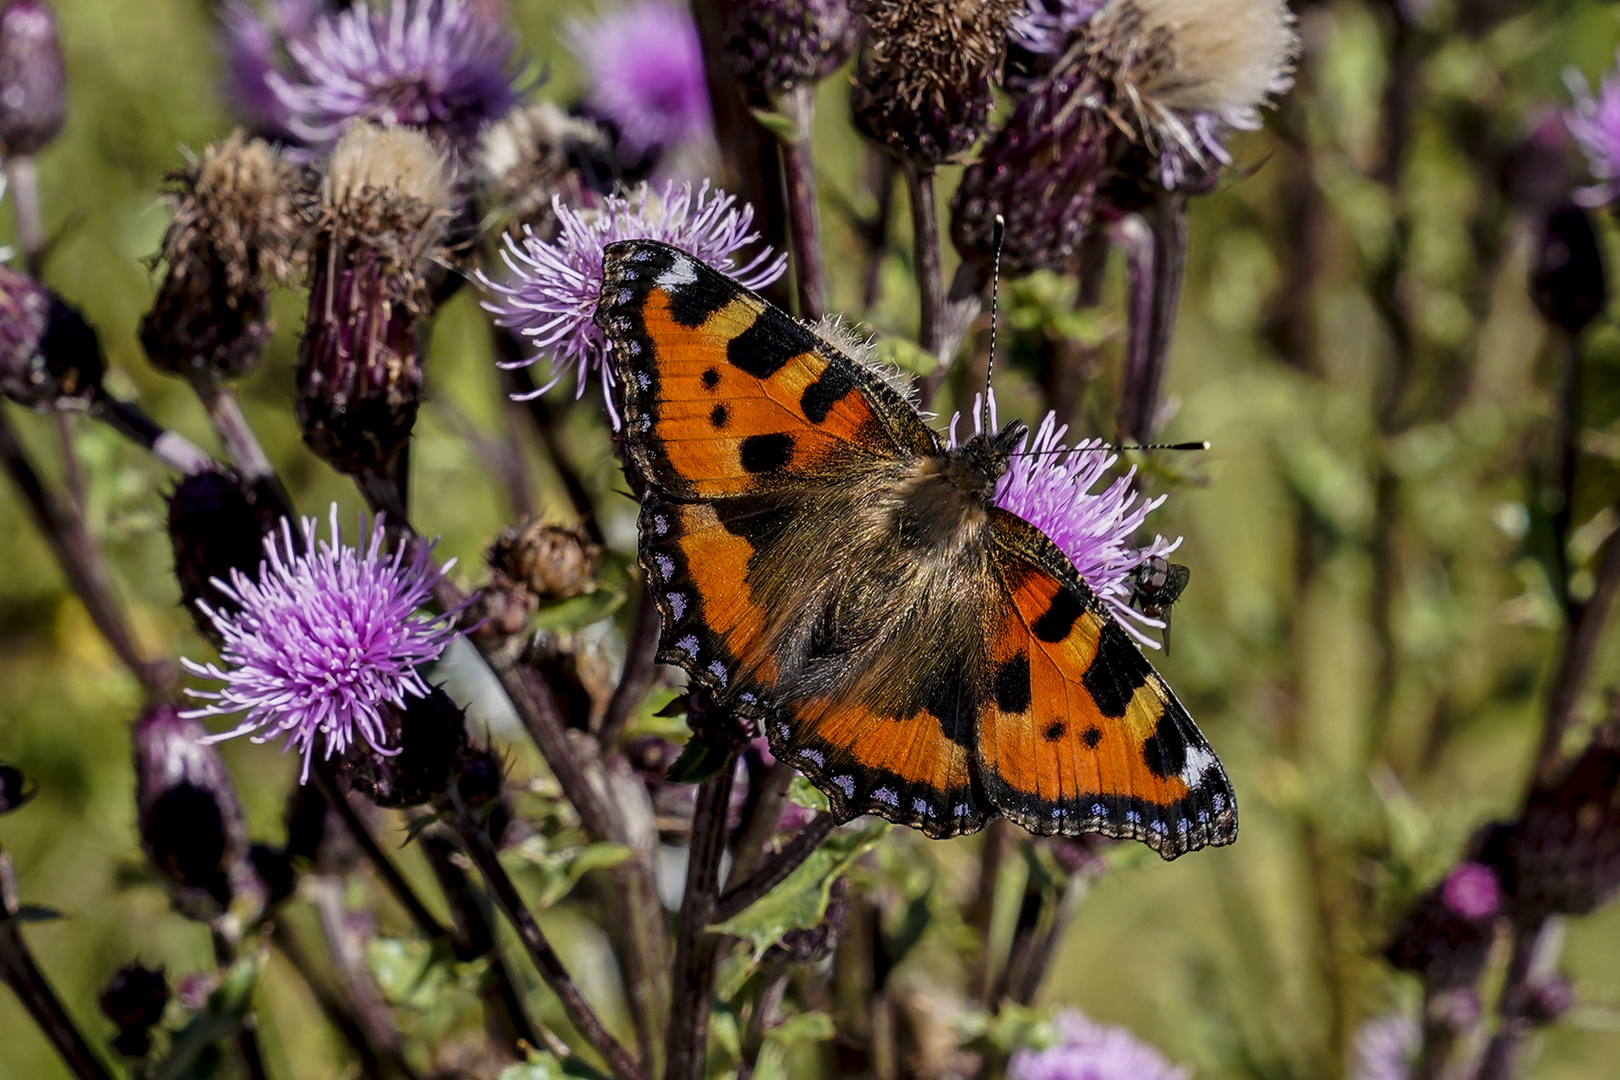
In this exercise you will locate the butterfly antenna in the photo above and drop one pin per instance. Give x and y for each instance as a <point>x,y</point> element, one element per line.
<point>1099,447</point>
<point>995,291</point>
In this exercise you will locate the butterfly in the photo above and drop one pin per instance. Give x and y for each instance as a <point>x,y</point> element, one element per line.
<point>1157,584</point>
<point>826,566</point>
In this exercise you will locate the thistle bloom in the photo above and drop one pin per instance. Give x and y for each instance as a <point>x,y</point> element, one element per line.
<point>1384,1047</point>
<point>1052,490</point>
<point>1595,124</point>
<point>554,284</point>
<point>323,640</point>
<point>442,65</point>
<point>644,62</point>
<point>1092,1051</point>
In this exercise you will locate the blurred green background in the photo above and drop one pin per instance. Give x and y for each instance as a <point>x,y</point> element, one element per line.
<point>1365,640</point>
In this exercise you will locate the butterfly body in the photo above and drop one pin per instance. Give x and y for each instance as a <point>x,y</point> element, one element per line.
<point>826,565</point>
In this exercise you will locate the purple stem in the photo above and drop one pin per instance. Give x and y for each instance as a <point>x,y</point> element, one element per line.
<point>695,947</point>
<point>803,213</point>
<point>176,451</point>
<point>23,176</point>
<point>928,266</point>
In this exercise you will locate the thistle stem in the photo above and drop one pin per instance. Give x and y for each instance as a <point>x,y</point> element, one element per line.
<point>129,420</point>
<point>247,1035</point>
<point>737,899</point>
<point>695,947</point>
<point>803,213</point>
<point>640,652</point>
<point>1502,1053</point>
<point>81,562</point>
<point>22,175</point>
<point>927,266</point>
<point>545,958</point>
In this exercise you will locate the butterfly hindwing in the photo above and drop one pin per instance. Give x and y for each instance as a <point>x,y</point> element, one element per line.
<point>726,395</point>
<point>1078,733</point>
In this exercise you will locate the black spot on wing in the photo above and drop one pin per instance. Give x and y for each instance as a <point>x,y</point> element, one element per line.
<point>1055,731</point>
<point>711,378</point>
<point>1059,618</point>
<point>1011,685</point>
<point>1115,672</point>
<point>949,699</point>
<point>820,396</point>
<point>759,521</point>
<point>692,302</point>
<point>770,342</point>
<point>1091,737</point>
<point>718,417</point>
<point>1165,752</point>
<point>766,453</point>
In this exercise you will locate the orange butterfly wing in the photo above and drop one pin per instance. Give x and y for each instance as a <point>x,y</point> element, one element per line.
<point>1078,733</point>
<point>726,395</point>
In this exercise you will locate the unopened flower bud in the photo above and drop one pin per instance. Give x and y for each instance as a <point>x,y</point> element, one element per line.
<point>924,84</point>
<point>14,790</point>
<point>777,45</point>
<point>553,562</point>
<point>431,736</point>
<point>217,524</point>
<point>49,356</point>
<point>1446,947</point>
<point>235,228</point>
<point>33,85</point>
<point>1567,282</point>
<point>482,786</point>
<point>134,999</point>
<point>1471,892</point>
<point>383,207</point>
<point>1549,999</point>
<point>190,818</point>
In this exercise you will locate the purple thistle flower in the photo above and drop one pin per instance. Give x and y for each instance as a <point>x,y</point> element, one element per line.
<point>1383,1048</point>
<point>645,66</point>
<point>1051,490</point>
<point>1091,1051</point>
<point>322,640</point>
<point>442,65</point>
<point>555,284</point>
<point>253,46</point>
<point>1595,124</point>
<point>1471,891</point>
<point>1045,26</point>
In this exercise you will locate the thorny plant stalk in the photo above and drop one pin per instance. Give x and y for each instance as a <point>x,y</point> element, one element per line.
<point>775,869</point>
<point>929,271</point>
<point>695,947</point>
<point>804,216</point>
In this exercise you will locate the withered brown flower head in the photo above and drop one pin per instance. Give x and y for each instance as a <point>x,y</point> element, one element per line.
<point>552,561</point>
<point>381,211</point>
<point>923,87</point>
<point>237,226</point>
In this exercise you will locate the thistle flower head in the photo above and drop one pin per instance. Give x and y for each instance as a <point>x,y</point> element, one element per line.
<point>236,226</point>
<point>776,45</point>
<point>644,65</point>
<point>323,640</point>
<point>923,87</point>
<point>1046,27</point>
<point>1595,124</point>
<point>1383,1047</point>
<point>1052,490</point>
<point>1087,1050</point>
<point>554,285</point>
<point>254,44</point>
<point>50,358</point>
<point>33,83</point>
<point>1184,71</point>
<point>445,66</point>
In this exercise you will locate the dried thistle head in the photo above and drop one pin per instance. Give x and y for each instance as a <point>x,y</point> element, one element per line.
<point>389,189</point>
<point>924,84</point>
<point>237,226</point>
<point>531,155</point>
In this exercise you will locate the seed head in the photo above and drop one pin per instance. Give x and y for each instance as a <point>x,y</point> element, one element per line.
<point>430,736</point>
<point>134,999</point>
<point>923,86</point>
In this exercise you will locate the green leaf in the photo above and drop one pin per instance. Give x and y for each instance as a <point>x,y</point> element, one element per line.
<point>406,969</point>
<point>800,902</point>
<point>777,124</point>
<point>219,1018</point>
<point>803,793</point>
<point>420,825</point>
<point>808,1027</point>
<point>578,612</point>
<point>699,761</point>
<point>575,864</point>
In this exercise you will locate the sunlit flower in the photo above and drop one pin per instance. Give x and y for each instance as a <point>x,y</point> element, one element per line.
<point>1049,484</point>
<point>442,65</point>
<point>1595,124</point>
<point>1091,1051</point>
<point>644,63</point>
<point>323,640</point>
<point>554,285</point>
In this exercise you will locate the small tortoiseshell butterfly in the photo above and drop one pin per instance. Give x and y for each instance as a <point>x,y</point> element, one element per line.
<point>825,565</point>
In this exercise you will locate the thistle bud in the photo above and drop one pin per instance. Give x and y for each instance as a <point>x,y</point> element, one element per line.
<point>1548,999</point>
<point>382,210</point>
<point>33,84</point>
<point>778,45</point>
<point>134,999</point>
<point>553,562</point>
<point>49,356</point>
<point>431,735</point>
<point>1448,933</point>
<point>482,790</point>
<point>1567,282</point>
<point>217,524</point>
<point>190,818</point>
<point>923,86</point>
<point>235,227</point>
<point>14,789</point>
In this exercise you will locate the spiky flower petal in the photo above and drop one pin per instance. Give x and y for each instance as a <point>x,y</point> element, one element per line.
<point>1049,484</point>
<point>554,285</point>
<point>323,640</point>
<point>1088,1050</point>
<point>1595,124</point>
<point>644,62</point>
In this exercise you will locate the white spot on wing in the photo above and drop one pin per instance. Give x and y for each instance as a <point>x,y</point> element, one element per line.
<point>1199,761</point>
<point>680,272</point>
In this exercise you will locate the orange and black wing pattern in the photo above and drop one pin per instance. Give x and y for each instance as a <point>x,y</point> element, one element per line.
<point>726,395</point>
<point>1078,733</point>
